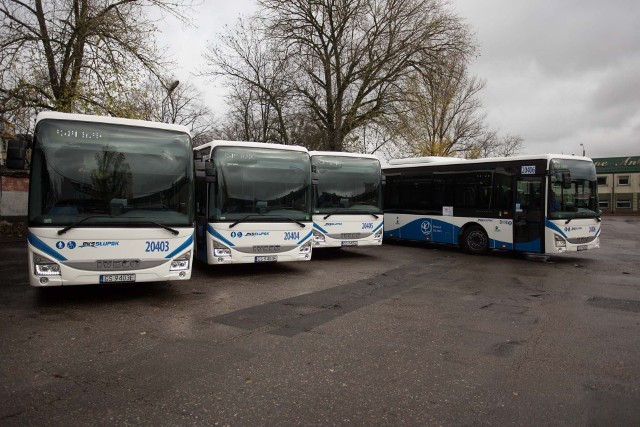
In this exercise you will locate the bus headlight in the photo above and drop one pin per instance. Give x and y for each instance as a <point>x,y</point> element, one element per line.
<point>559,241</point>
<point>220,250</point>
<point>306,248</point>
<point>318,237</point>
<point>181,263</point>
<point>45,267</point>
<point>378,235</point>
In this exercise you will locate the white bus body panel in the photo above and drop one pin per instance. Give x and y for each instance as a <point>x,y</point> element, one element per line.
<point>347,230</point>
<point>580,234</point>
<point>85,255</point>
<point>252,242</point>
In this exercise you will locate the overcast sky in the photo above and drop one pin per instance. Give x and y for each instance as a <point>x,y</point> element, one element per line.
<point>558,73</point>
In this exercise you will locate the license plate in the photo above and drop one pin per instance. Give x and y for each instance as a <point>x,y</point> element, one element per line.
<point>270,258</point>
<point>582,247</point>
<point>350,243</point>
<point>117,278</point>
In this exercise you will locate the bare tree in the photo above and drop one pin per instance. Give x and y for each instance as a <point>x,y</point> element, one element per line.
<point>442,115</point>
<point>77,55</point>
<point>169,101</point>
<point>344,60</point>
<point>257,74</point>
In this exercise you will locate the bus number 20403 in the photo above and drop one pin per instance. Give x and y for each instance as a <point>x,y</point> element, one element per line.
<point>159,246</point>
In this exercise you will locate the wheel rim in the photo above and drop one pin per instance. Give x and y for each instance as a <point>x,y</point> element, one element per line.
<point>477,240</point>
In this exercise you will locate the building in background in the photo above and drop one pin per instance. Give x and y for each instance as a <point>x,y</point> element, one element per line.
<point>618,184</point>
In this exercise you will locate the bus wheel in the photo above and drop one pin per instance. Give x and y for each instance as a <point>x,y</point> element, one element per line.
<point>475,240</point>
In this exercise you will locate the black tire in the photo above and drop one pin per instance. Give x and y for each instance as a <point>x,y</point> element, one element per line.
<point>475,240</point>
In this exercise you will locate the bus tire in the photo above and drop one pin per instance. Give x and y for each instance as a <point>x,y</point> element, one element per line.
<point>475,240</point>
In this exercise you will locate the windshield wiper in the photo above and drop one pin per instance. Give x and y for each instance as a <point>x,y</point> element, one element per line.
<point>243,220</point>
<point>166,227</point>
<point>353,211</point>
<point>77,223</point>
<point>271,216</point>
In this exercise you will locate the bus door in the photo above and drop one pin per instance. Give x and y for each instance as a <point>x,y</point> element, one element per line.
<point>529,214</point>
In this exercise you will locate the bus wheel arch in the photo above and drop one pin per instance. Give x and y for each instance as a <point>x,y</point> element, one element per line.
<point>474,238</point>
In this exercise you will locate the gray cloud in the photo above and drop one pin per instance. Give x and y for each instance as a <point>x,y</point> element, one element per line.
<point>561,73</point>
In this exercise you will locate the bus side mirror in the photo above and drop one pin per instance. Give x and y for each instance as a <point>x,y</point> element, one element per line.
<point>210,172</point>
<point>383,179</point>
<point>566,180</point>
<point>314,175</point>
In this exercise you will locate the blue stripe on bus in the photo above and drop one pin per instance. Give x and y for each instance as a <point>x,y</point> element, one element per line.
<point>532,246</point>
<point>320,228</point>
<point>215,233</point>
<point>438,231</point>
<point>499,244</point>
<point>554,227</point>
<point>379,225</point>
<point>180,248</point>
<point>305,237</point>
<point>39,244</point>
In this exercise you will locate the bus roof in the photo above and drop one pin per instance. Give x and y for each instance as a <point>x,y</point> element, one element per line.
<point>433,161</point>
<point>55,115</point>
<point>219,143</point>
<point>343,154</point>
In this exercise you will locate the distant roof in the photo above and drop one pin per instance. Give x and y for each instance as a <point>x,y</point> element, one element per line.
<point>617,164</point>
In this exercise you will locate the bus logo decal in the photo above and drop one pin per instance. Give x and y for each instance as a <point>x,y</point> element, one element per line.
<point>425,227</point>
<point>60,245</point>
<point>71,244</point>
<point>98,244</point>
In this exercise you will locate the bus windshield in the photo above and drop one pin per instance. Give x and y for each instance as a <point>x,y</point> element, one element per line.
<point>348,183</point>
<point>110,174</point>
<point>258,184</point>
<point>580,198</point>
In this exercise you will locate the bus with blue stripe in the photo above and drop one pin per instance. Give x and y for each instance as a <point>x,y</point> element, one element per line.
<point>347,210</point>
<point>253,203</point>
<point>110,200</point>
<point>546,204</point>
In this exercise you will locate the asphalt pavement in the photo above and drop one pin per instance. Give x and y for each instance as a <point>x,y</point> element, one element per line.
<point>402,334</point>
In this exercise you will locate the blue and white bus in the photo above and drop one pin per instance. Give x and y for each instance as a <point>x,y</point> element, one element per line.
<point>253,203</point>
<point>110,200</point>
<point>347,207</point>
<point>543,204</point>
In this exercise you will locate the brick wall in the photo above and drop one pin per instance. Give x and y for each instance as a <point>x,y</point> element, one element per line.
<point>14,196</point>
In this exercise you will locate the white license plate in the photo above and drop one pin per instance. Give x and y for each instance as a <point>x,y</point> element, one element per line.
<point>270,258</point>
<point>582,247</point>
<point>350,243</point>
<point>117,278</point>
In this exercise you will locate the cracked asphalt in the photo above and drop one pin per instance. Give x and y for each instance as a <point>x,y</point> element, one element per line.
<point>393,335</point>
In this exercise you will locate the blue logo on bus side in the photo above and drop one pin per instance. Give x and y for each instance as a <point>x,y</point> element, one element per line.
<point>60,245</point>
<point>425,227</point>
<point>238,234</point>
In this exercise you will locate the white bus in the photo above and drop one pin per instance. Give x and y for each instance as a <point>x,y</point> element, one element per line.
<point>543,204</point>
<point>110,200</point>
<point>347,207</point>
<point>253,203</point>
